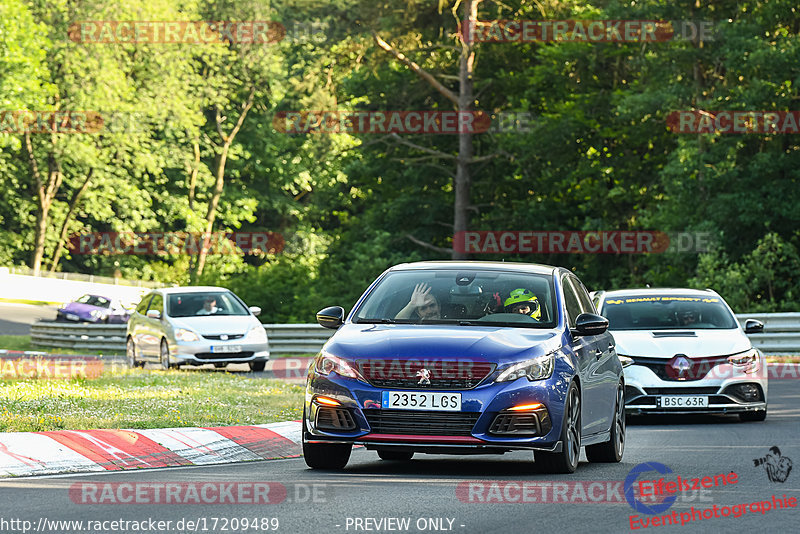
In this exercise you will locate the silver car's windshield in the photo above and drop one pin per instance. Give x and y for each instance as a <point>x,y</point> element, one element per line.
<point>214,303</point>
<point>665,312</point>
<point>463,297</point>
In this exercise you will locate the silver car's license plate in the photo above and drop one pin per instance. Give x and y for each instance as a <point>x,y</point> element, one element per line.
<point>421,400</point>
<point>226,349</point>
<point>683,401</point>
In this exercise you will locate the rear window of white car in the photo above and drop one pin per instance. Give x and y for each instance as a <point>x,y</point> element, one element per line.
<point>665,312</point>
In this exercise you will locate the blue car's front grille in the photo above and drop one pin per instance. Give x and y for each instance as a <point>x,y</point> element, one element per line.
<point>425,374</point>
<point>425,423</point>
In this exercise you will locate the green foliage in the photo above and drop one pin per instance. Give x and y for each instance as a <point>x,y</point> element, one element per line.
<point>597,155</point>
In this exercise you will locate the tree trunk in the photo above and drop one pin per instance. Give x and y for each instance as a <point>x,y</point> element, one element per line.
<point>219,186</point>
<point>45,192</point>
<point>73,204</point>
<point>193,172</point>
<point>213,203</point>
<point>466,101</point>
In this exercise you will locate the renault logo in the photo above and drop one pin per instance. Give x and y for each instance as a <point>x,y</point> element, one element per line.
<point>681,364</point>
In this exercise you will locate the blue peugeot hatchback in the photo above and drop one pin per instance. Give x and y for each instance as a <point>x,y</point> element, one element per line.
<point>467,358</point>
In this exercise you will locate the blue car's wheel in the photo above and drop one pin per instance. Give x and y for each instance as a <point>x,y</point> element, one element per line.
<point>611,450</point>
<point>332,456</point>
<point>565,461</point>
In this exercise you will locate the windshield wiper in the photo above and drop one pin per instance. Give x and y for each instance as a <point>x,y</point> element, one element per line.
<point>376,321</point>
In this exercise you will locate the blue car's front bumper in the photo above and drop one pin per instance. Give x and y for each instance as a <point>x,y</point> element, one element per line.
<point>474,427</point>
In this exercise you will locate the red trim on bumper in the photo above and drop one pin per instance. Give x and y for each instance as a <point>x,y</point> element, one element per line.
<point>421,439</point>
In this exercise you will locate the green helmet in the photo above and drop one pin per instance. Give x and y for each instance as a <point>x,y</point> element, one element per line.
<point>523,296</point>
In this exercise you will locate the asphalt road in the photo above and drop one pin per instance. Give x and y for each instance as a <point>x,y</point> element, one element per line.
<point>16,319</point>
<point>426,490</point>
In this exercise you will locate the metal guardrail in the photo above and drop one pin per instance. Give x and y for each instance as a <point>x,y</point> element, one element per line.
<point>781,332</point>
<point>79,277</point>
<point>283,338</point>
<point>781,335</point>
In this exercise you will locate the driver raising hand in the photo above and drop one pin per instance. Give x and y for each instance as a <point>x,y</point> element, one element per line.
<point>422,303</point>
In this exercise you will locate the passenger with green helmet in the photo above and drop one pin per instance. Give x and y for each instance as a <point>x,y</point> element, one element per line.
<point>525,302</point>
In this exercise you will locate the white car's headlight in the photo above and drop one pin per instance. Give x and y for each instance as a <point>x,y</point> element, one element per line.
<point>538,368</point>
<point>747,360</point>
<point>327,363</point>
<point>257,334</point>
<point>625,360</point>
<point>181,334</point>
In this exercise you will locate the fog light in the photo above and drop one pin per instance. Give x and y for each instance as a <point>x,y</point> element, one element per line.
<point>745,392</point>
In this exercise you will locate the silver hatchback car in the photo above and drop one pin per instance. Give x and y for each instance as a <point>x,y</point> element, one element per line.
<point>195,326</point>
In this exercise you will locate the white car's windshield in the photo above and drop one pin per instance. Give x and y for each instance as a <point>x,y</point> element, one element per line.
<point>664,312</point>
<point>462,297</point>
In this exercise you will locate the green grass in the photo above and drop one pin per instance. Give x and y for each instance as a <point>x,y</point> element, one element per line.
<point>24,343</point>
<point>34,302</point>
<point>146,399</point>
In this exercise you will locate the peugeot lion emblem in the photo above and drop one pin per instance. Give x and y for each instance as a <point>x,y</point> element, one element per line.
<point>424,377</point>
<point>681,364</point>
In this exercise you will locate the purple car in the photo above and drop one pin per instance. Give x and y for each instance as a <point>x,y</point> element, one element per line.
<point>95,309</point>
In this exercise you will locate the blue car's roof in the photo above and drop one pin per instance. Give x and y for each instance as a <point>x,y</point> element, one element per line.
<point>534,268</point>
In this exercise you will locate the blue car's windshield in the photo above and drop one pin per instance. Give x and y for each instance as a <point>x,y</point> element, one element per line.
<point>665,312</point>
<point>462,297</point>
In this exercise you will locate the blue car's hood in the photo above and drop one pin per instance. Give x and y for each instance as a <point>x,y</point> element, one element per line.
<point>490,343</point>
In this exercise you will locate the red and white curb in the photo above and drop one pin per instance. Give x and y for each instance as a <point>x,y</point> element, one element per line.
<point>75,451</point>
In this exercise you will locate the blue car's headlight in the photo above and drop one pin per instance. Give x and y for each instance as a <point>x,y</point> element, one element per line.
<point>326,363</point>
<point>538,368</point>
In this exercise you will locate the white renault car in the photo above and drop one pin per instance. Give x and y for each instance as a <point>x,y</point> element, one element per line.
<point>685,352</point>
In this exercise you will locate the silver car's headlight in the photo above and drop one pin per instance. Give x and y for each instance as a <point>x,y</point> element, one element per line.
<point>257,334</point>
<point>537,368</point>
<point>182,334</point>
<point>747,360</point>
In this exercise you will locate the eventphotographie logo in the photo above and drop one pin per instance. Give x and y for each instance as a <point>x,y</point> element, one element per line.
<point>776,465</point>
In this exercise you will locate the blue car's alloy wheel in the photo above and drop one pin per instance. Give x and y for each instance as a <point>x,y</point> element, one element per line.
<point>612,450</point>
<point>565,461</point>
<point>332,456</point>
